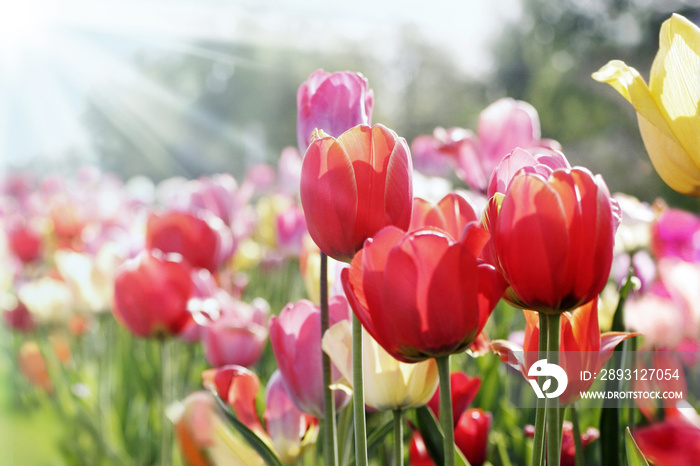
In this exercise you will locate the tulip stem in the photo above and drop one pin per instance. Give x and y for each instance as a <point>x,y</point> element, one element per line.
<point>446,419</point>
<point>330,437</point>
<point>165,400</point>
<point>398,437</point>
<point>580,460</point>
<point>553,431</point>
<point>358,395</point>
<point>541,410</point>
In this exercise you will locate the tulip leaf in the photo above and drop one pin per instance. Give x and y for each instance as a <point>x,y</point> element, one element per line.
<point>634,454</point>
<point>267,455</point>
<point>433,438</point>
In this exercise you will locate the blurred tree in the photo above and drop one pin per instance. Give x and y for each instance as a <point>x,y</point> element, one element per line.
<point>547,59</point>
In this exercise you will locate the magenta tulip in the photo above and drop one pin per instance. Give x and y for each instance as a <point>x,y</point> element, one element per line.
<point>332,102</point>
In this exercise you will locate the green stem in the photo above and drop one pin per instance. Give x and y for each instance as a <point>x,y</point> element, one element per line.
<point>398,437</point>
<point>541,410</point>
<point>165,400</point>
<point>358,395</point>
<point>580,460</point>
<point>446,420</point>
<point>553,433</point>
<point>330,437</point>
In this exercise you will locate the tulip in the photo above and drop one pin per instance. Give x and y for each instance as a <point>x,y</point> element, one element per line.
<point>353,186</point>
<point>542,162</point>
<point>463,389</point>
<point>553,238</point>
<point>295,336</point>
<point>431,153</point>
<point>203,243</point>
<point>674,441</point>
<point>581,347</point>
<point>471,437</point>
<point>238,387</point>
<point>667,108</point>
<point>32,366</point>
<point>19,318</point>
<point>25,243</point>
<point>204,436</point>
<point>503,126</point>
<point>48,300</point>
<point>289,429</point>
<point>389,384</point>
<point>333,102</point>
<point>675,233</point>
<point>422,295</point>
<point>451,214</point>
<point>151,293</point>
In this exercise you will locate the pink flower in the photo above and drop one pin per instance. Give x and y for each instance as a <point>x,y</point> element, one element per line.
<point>296,342</point>
<point>672,442</point>
<point>332,102</point>
<point>286,425</point>
<point>676,233</point>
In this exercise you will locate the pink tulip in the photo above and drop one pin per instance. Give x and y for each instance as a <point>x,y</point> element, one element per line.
<point>503,126</point>
<point>676,233</point>
<point>286,425</point>
<point>332,102</point>
<point>672,442</point>
<point>296,342</point>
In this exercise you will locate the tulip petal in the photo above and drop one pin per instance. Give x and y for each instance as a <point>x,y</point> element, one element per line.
<point>329,197</point>
<point>675,81</point>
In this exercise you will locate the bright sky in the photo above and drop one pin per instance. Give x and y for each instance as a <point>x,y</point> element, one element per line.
<point>53,53</point>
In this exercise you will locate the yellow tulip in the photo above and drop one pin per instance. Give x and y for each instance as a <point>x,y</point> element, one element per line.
<point>668,108</point>
<point>389,384</point>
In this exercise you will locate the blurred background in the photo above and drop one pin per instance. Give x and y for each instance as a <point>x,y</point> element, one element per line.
<point>184,88</point>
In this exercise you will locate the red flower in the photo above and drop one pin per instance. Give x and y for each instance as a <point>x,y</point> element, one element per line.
<point>332,102</point>
<point>675,442</point>
<point>151,294</point>
<point>581,347</point>
<point>451,214</point>
<point>553,239</point>
<point>422,294</point>
<point>198,241</point>
<point>471,437</point>
<point>353,186</point>
<point>568,446</point>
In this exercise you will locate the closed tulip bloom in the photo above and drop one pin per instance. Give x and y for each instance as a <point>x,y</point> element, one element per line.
<point>233,339</point>
<point>553,238</point>
<point>204,244</point>
<point>581,348</point>
<point>389,384</point>
<point>289,429</point>
<point>333,102</point>
<point>667,108</point>
<point>451,214</point>
<point>353,186</point>
<point>463,390</point>
<point>672,442</point>
<point>295,336</point>
<point>151,293</point>
<point>422,294</point>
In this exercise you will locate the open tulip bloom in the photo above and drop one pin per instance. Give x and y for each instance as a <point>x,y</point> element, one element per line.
<point>667,108</point>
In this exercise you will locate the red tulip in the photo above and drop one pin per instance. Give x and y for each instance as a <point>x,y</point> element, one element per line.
<point>150,295</point>
<point>332,102</point>
<point>463,389</point>
<point>204,244</point>
<point>581,347</point>
<point>238,387</point>
<point>25,242</point>
<point>353,186</point>
<point>673,442</point>
<point>422,294</point>
<point>471,437</point>
<point>451,214</point>
<point>568,446</point>
<point>295,336</point>
<point>553,238</point>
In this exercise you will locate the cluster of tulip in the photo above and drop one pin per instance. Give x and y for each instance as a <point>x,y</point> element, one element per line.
<point>398,274</point>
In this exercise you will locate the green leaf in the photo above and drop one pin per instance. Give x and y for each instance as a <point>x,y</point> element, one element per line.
<point>432,437</point>
<point>634,454</point>
<point>377,436</point>
<point>253,440</point>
